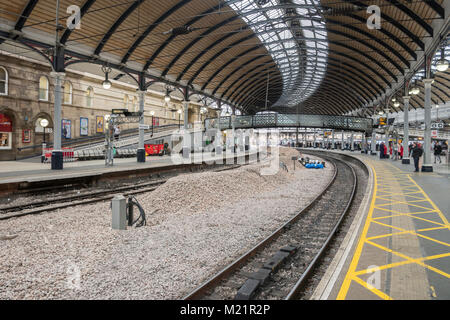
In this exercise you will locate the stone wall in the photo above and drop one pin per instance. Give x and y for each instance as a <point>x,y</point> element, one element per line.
<point>23,106</point>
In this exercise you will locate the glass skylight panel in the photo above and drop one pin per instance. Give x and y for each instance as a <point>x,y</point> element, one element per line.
<point>300,79</point>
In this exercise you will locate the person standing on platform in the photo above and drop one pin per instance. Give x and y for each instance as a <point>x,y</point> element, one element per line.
<point>417,152</point>
<point>116,133</point>
<point>437,152</point>
<point>382,150</point>
<point>401,151</point>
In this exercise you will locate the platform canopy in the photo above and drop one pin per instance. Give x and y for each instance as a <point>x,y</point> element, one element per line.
<point>290,56</point>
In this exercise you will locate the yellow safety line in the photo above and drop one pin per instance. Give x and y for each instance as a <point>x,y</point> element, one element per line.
<point>401,255</point>
<point>401,263</point>
<point>402,213</point>
<point>444,219</point>
<point>418,199</point>
<point>348,278</point>
<point>405,232</point>
<point>374,290</point>
<point>426,220</point>
<point>387,235</point>
<point>379,188</point>
<point>432,229</point>
<point>402,202</point>
<point>412,232</point>
<point>412,215</point>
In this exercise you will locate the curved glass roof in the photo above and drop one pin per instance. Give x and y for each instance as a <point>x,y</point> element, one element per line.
<point>294,34</point>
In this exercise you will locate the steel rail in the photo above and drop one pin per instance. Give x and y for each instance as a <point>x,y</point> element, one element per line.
<point>42,203</point>
<point>217,278</point>
<point>72,201</point>
<point>301,283</point>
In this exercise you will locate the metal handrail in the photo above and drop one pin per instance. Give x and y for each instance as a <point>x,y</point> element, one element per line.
<point>100,137</point>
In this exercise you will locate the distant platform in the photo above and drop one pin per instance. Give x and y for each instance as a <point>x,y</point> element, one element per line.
<point>19,174</point>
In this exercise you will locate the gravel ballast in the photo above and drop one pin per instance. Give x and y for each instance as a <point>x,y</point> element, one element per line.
<point>197,224</point>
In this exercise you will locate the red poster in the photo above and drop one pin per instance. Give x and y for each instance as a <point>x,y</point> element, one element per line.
<point>5,123</point>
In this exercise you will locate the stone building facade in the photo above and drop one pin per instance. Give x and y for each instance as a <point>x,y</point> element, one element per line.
<point>27,97</point>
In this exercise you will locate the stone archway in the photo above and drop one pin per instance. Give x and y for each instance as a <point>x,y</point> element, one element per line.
<point>38,130</point>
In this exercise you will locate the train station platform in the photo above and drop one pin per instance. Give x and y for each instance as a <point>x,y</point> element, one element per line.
<point>398,246</point>
<point>13,174</point>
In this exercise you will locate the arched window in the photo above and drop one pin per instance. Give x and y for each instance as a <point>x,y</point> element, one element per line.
<point>43,88</point>
<point>135,105</point>
<point>67,92</point>
<point>89,97</point>
<point>126,100</point>
<point>3,81</point>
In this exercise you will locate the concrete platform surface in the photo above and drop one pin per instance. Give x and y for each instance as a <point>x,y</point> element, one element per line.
<point>402,246</point>
<point>19,171</point>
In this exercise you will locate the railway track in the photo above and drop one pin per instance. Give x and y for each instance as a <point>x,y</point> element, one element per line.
<point>280,265</point>
<point>52,204</point>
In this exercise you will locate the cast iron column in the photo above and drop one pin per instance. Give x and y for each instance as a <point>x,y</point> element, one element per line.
<point>57,153</point>
<point>427,165</point>
<point>352,148</point>
<point>333,143</point>
<point>141,147</point>
<point>406,159</point>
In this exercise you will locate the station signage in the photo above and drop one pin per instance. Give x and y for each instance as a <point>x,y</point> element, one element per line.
<point>144,127</point>
<point>434,133</point>
<point>437,125</point>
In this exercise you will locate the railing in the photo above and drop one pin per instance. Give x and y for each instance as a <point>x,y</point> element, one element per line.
<point>271,120</point>
<point>127,137</point>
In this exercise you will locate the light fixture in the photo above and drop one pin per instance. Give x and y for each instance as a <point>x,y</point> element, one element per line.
<point>380,113</point>
<point>396,104</point>
<point>106,84</point>
<point>414,89</point>
<point>442,63</point>
<point>44,123</point>
<point>152,113</point>
<point>179,111</point>
<point>167,96</point>
<point>394,99</point>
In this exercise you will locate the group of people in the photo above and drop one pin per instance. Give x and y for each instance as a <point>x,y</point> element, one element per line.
<point>395,152</point>
<point>415,151</point>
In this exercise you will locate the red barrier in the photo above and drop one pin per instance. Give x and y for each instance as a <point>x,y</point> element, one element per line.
<point>154,149</point>
<point>68,154</point>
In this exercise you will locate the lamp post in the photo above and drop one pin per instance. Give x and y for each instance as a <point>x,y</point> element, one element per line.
<point>44,124</point>
<point>152,113</point>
